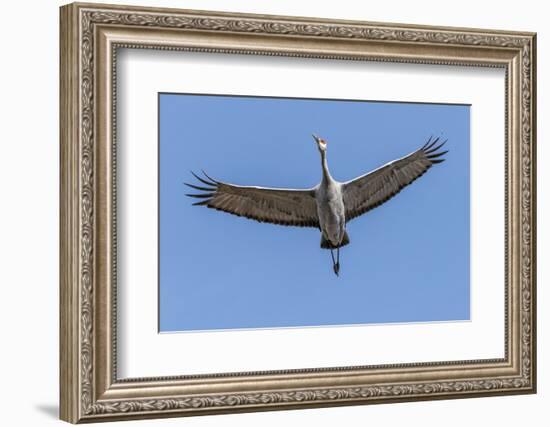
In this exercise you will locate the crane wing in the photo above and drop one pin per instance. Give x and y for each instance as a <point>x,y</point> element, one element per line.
<point>273,205</point>
<point>374,188</point>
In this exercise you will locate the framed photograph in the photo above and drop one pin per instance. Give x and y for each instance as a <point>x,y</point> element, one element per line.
<point>266,212</point>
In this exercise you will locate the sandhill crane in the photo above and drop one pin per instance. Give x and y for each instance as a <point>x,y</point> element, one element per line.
<point>327,206</point>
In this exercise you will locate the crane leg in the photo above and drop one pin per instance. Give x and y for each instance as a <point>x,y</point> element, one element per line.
<point>337,266</point>
<point>335,262</point>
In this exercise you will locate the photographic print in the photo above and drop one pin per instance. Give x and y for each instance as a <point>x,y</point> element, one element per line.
<point>266,212</point>
<point>324,212</point>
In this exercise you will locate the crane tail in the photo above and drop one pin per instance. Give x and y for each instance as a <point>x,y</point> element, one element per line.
<point>325,244</point>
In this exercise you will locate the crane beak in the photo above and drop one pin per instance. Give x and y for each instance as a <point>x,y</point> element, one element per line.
<point>315,137</point>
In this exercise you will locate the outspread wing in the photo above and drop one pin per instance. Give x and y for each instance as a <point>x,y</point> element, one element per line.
<point>274,205</point>
<point>374,188</point>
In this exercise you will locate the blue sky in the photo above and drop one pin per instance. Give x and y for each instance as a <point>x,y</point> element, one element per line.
<point>408,261</point>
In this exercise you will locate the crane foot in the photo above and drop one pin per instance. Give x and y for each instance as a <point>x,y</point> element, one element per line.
<point>336,268</point>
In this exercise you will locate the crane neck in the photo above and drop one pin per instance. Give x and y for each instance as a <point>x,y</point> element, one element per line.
<point>324,166</point>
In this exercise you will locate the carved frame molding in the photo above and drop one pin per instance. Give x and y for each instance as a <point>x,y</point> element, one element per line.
<point>90,36</point>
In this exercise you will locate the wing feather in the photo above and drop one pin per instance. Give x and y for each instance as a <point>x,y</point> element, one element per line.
<point>374,188</point>
<point>273,205</point>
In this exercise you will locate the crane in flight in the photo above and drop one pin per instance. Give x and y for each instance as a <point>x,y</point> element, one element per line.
<point>329,205</point>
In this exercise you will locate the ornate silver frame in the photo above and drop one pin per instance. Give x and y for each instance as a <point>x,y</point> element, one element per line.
<point>90,35</point>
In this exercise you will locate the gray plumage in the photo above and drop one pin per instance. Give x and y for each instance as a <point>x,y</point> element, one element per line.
<point>327,206</point>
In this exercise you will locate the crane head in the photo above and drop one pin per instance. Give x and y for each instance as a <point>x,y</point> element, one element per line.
<point>321,143</point>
